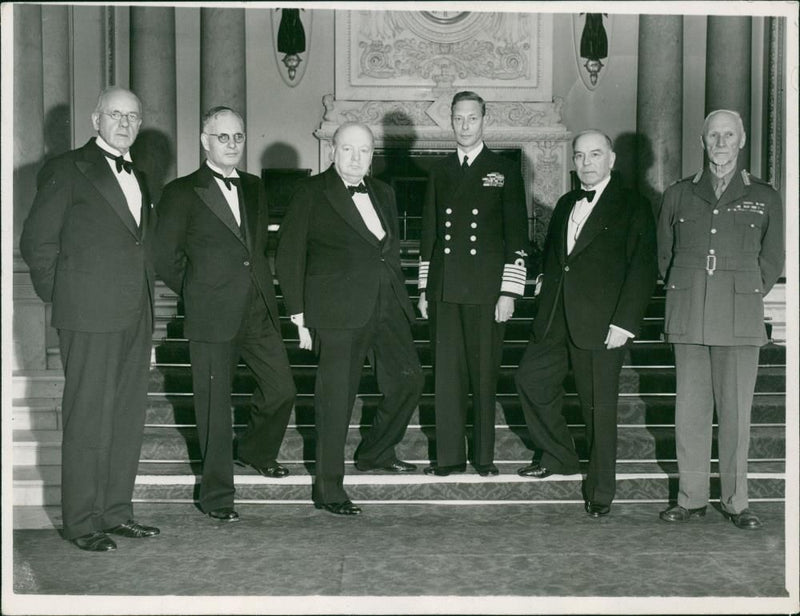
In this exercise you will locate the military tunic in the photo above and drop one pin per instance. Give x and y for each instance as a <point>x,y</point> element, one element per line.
<point>718,258</point>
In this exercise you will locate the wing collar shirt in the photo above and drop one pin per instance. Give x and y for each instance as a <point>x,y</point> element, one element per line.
<point>231,194</point>
<point>127,181</point>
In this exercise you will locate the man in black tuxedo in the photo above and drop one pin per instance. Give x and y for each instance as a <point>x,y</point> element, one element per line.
<point>599,273</point>
<point>338,262</point>
<point>211,248</point>
<point>472,268</point>
<point>86,242</point>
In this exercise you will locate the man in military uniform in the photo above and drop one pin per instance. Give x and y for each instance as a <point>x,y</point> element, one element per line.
<point>472,267</point>
<point>720,238</point>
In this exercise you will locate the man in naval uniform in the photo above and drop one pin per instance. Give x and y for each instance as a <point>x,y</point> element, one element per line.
<point>472,268</point>
<point>721,248</point>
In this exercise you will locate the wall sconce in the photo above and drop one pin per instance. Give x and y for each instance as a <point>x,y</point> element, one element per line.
<point>591,46</point>
<point>289,28</point>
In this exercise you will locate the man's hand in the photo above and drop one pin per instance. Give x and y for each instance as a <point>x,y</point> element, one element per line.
<point>615,338</point>
<point>504,309</point>
<point>305,338</point>
<point>422,304</point>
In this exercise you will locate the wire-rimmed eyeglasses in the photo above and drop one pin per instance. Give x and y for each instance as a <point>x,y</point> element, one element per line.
<point>225,137</point>
<point>131,117</point>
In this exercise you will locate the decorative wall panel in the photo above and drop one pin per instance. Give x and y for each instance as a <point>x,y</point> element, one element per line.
<point>417,55</point>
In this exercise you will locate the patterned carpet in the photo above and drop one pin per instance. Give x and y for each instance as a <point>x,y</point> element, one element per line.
<point>417,550</point>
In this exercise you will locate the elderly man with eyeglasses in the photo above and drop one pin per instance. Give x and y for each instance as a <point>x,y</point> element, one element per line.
<point>86,242</point>
<point>211,240</point>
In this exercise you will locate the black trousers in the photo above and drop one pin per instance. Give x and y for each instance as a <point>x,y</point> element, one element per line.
<point>387,339</point>
<point>467,349</point>
<point>103,407</point>
<point>261,347</point>
<point>540,384</point>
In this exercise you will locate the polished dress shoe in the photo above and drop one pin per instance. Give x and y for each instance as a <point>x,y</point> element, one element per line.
<point>745,519</point>
<point>345,508</point>
<point>133,530</point>
<point>534,470</point>
<point>97,541</point>
<point>681,514</point>
<point>596,510</point>
<point>224,514</point>
<point>486,470</point>
<point>444,471</point>
<point>273,469</point>
<point>396,466</point>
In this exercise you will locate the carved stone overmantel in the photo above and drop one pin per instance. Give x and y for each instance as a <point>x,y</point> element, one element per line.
<point>414,55</point>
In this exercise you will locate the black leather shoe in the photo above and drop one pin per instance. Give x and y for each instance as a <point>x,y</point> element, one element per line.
<point>345,508</point>
<point>681,514</point>
<point>596,510</point>
<point>97,541</point>
<point>273,469</point>
<point>745,519</point>
<point>486,470</point>
<point>397,466</point>
<point>534,470</point>
<point>444,471</point>
<point>133,530</point>
<point>224,514</point>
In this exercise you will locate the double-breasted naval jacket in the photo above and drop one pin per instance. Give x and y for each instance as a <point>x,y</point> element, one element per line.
<point>474,231</point>
<point>719,258</point>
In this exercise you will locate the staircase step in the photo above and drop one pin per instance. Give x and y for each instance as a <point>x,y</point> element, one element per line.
<point>645,379</point>
<point>36,414</point>
<point>177,482</point>
<point>632,409</point>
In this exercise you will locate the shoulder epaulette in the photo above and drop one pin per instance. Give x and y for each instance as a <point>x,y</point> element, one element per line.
<point>755,180</point>
<point>697,177</point>
<point>745,177</point>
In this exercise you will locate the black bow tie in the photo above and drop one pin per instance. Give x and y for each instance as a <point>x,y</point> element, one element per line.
<point>585,194</point>
<point>357,189</point>
<point>121,163</point>
<point>228,181</point>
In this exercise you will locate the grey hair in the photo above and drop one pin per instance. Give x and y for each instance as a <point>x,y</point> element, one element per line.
<point>348,124</point>
<point>109,90</point>
<point>593,131</point>
<point>735,114</point>
<point>210,115</point>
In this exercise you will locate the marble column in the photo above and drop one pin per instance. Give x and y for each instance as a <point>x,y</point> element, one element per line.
<point>222,60</point>
<point>728,68</point>
<point>659,104</point>
<point>56,79</point>
<point>153,79</point>
<point>29,350</point>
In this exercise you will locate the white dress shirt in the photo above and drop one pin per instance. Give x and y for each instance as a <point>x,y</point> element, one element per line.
<point>368,213</point>
<point>127,181</point>
<point>231,194</point>
<point>471,155</point>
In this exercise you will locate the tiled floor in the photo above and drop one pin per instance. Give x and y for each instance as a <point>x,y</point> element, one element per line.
<point>407,550</point>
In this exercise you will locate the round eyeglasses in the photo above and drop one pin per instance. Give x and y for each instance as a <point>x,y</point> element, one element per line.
<point>225,137</point>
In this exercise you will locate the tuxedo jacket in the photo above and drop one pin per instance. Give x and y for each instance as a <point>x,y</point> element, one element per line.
<point>85,252</point>
<point>205,256</point>
<point>474,231</point>
<point>609,276</point>
<point>329,264</point>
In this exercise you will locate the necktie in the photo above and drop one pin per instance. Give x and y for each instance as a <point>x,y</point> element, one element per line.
<point>228,181</point>
<point>122,164</point>
<point>357,189</point>
<point>465,163</point>
<point>585,194</point>
<point>719,186</point>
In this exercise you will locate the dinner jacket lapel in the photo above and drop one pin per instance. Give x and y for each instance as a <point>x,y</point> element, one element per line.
<point>341,202</point>
<point>603,214</point>
<point>210,194</point>
<point>94,167</point>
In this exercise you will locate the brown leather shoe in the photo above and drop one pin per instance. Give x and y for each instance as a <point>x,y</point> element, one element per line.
<point>681,514</point>
<point>97,541</point>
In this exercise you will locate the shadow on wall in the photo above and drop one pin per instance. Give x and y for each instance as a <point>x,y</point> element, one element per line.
<point>57,140</point>
<point>154,154</point>
<point>280,155</point>
<point>634,160</point>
